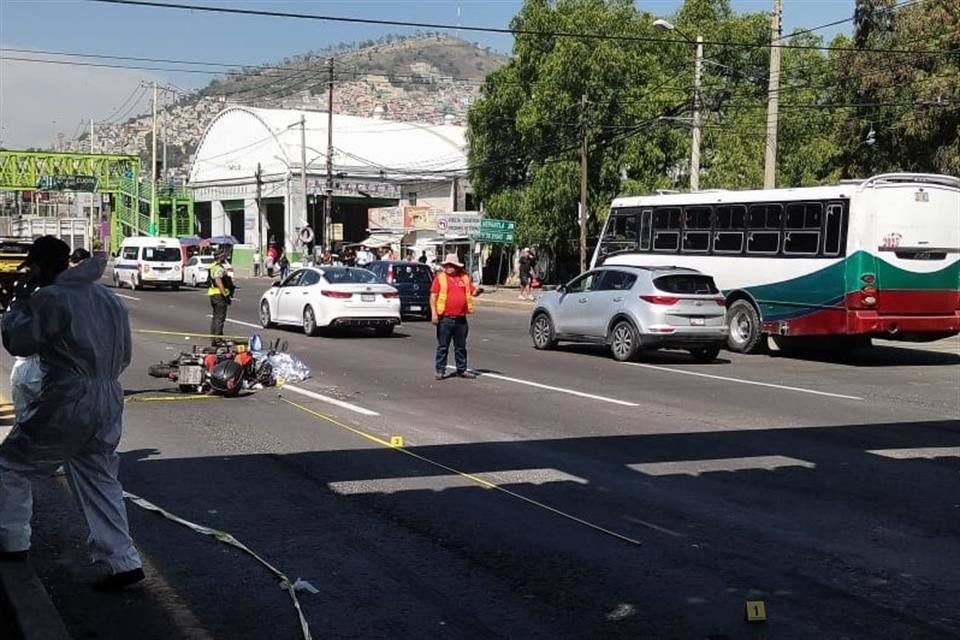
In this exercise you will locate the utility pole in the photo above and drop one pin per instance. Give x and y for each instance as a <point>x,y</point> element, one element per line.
<point>91,135</point>
<point>153,167</point>
<point>164,132</point>
<point>303,166</point>
<point>695,146</point>
<point>328,213</point>
<point>259,178</point>
<point>773,98</point>
<point>583,182</point>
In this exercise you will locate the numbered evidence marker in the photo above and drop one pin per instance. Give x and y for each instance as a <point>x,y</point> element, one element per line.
<point>756,611</point>
<point>396,441</point>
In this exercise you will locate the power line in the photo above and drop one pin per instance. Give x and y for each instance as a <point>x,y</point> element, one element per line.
<point>498,30</point>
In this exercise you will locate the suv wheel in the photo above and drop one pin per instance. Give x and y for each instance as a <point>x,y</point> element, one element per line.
<point>743,322</point>
<point>624,341</point>
<point>706,354</point>
<point>542,332</point>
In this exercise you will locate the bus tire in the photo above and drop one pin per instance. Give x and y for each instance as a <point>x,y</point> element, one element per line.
<point>743,323</point>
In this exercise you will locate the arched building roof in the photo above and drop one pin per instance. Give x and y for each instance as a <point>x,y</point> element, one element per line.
<point>239,138</point>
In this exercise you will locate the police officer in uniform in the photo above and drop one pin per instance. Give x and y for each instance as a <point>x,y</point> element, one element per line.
<point>220,292</point>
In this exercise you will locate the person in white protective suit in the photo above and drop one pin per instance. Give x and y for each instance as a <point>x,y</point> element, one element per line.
<point>81,333</point>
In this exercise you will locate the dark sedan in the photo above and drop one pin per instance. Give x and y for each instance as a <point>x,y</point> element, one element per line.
<point>411,279</point>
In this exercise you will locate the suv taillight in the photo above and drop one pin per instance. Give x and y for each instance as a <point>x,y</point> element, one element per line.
<point>664,300</point>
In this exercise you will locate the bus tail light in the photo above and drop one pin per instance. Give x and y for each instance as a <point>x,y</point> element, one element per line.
<point>868,278</point>
<point>868,295</point>
<point>664,300</point>
<point>390,277</point>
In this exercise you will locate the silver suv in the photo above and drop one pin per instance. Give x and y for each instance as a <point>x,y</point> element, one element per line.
<point>631,308</point>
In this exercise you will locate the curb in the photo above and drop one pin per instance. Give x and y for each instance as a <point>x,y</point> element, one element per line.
<point>26,611</point>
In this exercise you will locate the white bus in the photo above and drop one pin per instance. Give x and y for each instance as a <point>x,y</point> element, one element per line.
<point>868,258</point>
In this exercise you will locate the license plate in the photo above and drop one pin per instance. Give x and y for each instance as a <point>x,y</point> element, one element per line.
<point>367,297</point>
<point>696,322</point>
<point>416,307</point>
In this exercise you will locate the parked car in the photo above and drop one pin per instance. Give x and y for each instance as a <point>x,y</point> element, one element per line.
<point>411,279</point>
<point>197,271</point>
<point>316,298</point>
<point>630,308</point>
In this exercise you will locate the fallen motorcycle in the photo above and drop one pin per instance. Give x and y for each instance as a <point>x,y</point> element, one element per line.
<point>225,369</point>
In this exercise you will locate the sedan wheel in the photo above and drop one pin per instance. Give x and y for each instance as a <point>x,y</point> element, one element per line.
<point>543,333</point>
<point>624,341</point>
<point>309,322</point>
<point>265,320</point>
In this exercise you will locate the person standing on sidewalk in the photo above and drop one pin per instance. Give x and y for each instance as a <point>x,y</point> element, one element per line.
<point>220,293</point>
<point>451,301</point>
<point>81,332</point>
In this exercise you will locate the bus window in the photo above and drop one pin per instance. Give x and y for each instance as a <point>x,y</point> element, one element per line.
<point>696,229</point>
<point>834,225</point>
<point>666,229</point>
<point>802,228</point>
<point>763,221</point>
<point>622,228</point>
<point>730,220</point>
<point>646,220</point>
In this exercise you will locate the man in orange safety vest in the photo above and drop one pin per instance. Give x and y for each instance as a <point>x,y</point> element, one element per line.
<point>451,301</point>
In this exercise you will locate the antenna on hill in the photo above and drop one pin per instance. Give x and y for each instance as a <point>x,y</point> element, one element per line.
<point>458,22</point>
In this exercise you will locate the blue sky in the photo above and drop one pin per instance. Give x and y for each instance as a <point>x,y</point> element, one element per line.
<point>39,100</point>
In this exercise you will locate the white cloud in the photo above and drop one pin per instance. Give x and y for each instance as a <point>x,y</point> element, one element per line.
<point>40,100</point>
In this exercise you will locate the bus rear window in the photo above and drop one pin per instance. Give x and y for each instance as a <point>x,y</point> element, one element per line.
<point>692,283</point>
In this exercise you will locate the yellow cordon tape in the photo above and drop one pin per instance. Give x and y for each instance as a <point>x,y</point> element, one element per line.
<point>486,484</point>
<point>226,538</point>
<point>170,398</point>
<point>185,334</point>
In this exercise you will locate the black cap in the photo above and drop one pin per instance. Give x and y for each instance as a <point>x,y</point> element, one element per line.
<point>48,251</point>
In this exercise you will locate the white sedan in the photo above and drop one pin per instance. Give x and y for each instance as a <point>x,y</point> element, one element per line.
<point>196,272</point>
<point>329,297</point>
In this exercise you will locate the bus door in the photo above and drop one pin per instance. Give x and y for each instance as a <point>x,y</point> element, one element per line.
<point>916,238</point>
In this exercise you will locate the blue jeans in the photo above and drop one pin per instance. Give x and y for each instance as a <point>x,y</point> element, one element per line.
<point>455,329</point>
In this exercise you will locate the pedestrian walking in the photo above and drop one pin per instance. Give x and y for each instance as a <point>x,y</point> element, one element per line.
<point>284,264</point>
<point>527,273</point>
<point>81,333</point>
<point>256,263</point>
<point>451,301</point>
<point>220,291</point>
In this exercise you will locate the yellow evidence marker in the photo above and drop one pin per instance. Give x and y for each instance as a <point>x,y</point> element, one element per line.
<point>396,441</point>
<point>756,611</point>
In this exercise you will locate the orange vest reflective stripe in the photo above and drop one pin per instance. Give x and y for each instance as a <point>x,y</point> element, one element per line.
<point>442,297</point>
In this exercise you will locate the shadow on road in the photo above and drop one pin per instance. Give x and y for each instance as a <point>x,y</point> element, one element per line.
<point>844,531</point>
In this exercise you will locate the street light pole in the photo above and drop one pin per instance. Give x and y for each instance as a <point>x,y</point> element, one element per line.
<point>695,146</point>
<point>697,74</point>
<point>153,168</point>
<point>328,203</point>
<point>303,166</point>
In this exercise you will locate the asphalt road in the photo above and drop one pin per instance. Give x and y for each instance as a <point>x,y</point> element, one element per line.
<point>559,495</point>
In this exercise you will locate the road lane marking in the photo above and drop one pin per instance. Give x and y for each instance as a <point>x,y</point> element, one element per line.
<point>486,484</point>
<point>572,392</point>
<point>928,453</point>
<point>742,381</point>
<point>241,322</point>
<point>451,481</point>
<point>329,400</point>
<point>696,467</point>
<point>122,295</point>
<point>655,527</point>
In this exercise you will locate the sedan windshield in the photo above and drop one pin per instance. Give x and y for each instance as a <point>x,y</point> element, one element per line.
<point>349,276</point>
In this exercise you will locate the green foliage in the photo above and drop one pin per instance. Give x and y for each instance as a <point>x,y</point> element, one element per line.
<point>524,130</point>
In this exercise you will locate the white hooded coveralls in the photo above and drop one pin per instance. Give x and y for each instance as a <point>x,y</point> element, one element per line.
<point>82,334</point>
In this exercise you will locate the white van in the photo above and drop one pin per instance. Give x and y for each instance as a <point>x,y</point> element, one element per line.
<point>146,261</point>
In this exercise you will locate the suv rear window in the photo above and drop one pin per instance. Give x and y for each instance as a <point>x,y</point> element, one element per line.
<point>688,283</point>
<point>407,273</point>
